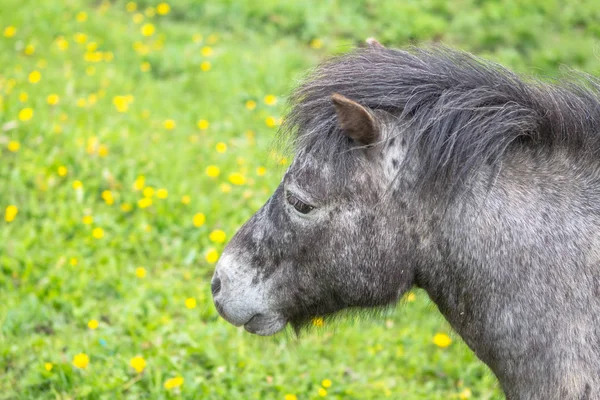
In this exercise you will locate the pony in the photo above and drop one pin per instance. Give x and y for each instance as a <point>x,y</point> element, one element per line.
<point>430,167</point>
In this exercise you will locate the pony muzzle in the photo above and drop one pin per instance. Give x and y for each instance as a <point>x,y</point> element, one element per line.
<point>240,302</point>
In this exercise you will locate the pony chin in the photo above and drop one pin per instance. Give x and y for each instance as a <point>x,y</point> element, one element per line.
<point>265,325</point>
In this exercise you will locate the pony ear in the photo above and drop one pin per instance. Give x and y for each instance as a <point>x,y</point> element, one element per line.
<point>357,121</point>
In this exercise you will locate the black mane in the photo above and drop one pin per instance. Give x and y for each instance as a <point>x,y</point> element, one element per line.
<point>462,111</point>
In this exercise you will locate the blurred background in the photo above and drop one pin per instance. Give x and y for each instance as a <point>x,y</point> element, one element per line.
<point>136,137</point>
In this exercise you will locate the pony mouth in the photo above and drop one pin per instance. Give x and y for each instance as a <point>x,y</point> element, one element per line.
<point>260,324</point>
<point>265,325</point>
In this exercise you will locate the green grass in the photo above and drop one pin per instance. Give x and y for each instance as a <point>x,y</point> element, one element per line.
<point>55,276</point>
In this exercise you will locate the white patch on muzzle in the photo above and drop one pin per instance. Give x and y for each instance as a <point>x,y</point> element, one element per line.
<point>239,301</point>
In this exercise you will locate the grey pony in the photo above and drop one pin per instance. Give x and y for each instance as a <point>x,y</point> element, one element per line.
<point>432,168</point>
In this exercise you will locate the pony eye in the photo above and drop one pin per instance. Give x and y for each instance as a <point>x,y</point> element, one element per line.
<point>298,204</point>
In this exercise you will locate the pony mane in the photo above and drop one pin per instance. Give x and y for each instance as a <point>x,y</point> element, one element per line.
<point>461,111</point>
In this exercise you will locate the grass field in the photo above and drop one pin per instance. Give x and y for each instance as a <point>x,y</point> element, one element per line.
<point>136,137</point>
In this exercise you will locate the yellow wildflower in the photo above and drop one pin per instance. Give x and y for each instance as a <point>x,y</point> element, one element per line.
<point>318,322</point>
<point>23,97</point>
<point>81,16</point>
<point>29,49</point>
<point>205,66</point>
<point>225,188</point>
<point>322,392</point>
<point>10,31</point>
<point>93,324</point>
<point>81,360</point>
<point>206,51</point>
<point>213,171</point>
<point>316,43</point>
<point>326,383</point>
<point>138,363</point>
<point>140,272</point>
<point>217,236</point>
<point>186,199</point>
<point>87,219</point>
<point>162,193</point>
<point>102,150</point>
<point>144,203</point>
<point>92,144</point>
<point>442,340</point>
<point>73,261</point>
<point>173,383</point>
<point>10,213</point>
<point>81,102</point>
<point>53,99</point>
<point>250,104</point>
<point>199,220</point>
<point>35,76</point>
<point>163,9</point>
<point>77,185</point>
<point>169,124</point>
<point>26,114</point>
<point>139,183</point>
<point>270,100</point>
<point>271,121</point>
<point>221,147</point>
<point>148,191</point>
<point>290,397</point>
<point>121,103</point>
<point>80,38</point>
<point>131,6</point>
<point>108,198</point>
<point>261,171</point>
<point>98,233</point>
<point>190,303</point>
<point>212,38</point>
<point>465,394</point>
<point>48,366</point>
<point>203,124</point>
<point>212,256</point>
<point>147,30</point>
<point>62,43</point>
<point>62,171</point>
<point>145,66</point>
<point>13,146</point>
<point>126,207</point>
<point>95,56</point>
<point>140,48</point>
<point>410,297</point>
<point>237,179</point>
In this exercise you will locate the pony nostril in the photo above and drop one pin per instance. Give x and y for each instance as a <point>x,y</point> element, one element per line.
<point>215,285</point>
